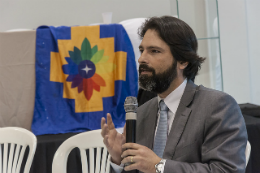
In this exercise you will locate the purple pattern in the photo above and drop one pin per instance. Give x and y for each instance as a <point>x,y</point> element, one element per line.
<point>76,81</point>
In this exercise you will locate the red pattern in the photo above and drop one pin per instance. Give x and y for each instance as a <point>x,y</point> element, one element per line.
<point>96,86</point>
<point>88,88</point>
<point>98,80</point>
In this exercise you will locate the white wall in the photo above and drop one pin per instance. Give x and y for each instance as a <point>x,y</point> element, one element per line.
<point>234,49</point>
<point>240,35</point>
<point>253,13</point>
<point>30,14</point>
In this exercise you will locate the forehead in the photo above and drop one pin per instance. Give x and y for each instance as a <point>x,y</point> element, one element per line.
<point>152,38</point>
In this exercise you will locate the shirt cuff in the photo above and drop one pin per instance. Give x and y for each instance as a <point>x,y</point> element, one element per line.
<point>117,168</point>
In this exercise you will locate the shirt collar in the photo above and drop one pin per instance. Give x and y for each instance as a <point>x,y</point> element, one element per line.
<point>173,99</point>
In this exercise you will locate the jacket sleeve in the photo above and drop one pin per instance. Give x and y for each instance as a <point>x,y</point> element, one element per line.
<point>225,139</point>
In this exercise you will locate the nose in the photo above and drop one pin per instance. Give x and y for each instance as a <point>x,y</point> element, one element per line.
<point>143,58</point>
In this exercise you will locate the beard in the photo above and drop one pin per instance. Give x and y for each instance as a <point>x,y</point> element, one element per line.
<point>157,83</point>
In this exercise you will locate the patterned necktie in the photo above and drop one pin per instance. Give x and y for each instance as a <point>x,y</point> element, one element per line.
<point>161,134</point>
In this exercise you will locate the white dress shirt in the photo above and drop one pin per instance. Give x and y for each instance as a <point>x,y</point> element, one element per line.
<point>172,101</point>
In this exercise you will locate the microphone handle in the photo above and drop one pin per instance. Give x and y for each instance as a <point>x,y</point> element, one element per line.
<point>130,131</point>
<point>131,136</point>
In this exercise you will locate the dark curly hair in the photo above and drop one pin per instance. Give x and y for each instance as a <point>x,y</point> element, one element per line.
<point>181,40</point>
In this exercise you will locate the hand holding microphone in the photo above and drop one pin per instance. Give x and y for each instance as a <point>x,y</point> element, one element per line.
<point>140,157</point>
<point>136,156</point>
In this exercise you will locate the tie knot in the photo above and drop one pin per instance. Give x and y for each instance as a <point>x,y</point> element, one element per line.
<point>163,106</point>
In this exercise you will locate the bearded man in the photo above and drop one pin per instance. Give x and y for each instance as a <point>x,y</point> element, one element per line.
<point>187,128</point>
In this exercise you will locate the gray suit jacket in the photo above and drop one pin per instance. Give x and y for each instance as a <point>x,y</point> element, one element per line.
<point>208,133</point>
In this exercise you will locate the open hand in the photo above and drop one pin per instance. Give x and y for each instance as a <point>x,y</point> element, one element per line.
<point>112,139</point>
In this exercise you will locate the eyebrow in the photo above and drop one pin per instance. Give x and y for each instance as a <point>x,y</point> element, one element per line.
<point>152,47</point>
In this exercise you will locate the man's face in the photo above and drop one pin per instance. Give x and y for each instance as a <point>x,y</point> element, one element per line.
<point>157,66</point>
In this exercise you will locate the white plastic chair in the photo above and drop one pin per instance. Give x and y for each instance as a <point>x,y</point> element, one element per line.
<point>248,151</point>
<point>18,139</point>
<point>84,141</point>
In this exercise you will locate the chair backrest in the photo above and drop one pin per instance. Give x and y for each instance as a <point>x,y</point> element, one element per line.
<point>131,26</point>
<point>91,141</point>
<point>248,151</point>
<point>15,140</point>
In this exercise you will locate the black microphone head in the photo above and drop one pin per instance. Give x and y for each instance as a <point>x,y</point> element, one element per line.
<point>130,104</point>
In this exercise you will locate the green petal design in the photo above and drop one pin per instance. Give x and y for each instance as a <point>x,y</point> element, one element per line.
<point>76,55</point>
<point>102,68</point>
<point>86,50</point>
<point>97,57</point>
<point>94,50</point>
<point>104,59</point>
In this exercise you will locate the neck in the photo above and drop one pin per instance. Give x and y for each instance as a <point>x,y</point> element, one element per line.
<point>175,84</point>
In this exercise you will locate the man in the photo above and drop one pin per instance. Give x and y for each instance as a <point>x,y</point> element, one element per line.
<point>187,128</point>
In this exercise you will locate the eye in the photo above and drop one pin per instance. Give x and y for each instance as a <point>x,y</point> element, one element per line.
<point>155,51</point>
<point>141,50</point>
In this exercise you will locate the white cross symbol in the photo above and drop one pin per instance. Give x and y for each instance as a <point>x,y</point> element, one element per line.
<point>86,69</point>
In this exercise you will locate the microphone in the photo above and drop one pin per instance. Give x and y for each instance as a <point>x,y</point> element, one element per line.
<point>130,116</point>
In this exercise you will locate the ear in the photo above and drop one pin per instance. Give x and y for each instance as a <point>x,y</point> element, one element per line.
<point>182,65</point>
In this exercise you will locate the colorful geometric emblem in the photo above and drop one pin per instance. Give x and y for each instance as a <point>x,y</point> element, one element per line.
<point>88,67</point>
<point>82,70</point>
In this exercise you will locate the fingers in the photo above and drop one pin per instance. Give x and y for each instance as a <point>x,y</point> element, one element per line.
<point>130,159</point>
<point>131,145</point>
<point>110,122</point>
<point>134,160</point>
<point>131,167</point>
<point>104,130</point>
<point>104,127</point>
<point>129,152</point>
<point>103,122</point>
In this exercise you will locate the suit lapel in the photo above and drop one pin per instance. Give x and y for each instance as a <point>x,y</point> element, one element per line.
<point>148,124</point>
<point>181,117</point>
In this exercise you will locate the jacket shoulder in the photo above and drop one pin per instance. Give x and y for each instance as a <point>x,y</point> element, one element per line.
<point>213,94</point>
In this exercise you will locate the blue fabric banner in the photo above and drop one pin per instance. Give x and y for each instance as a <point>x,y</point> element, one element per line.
<point>82,73</point>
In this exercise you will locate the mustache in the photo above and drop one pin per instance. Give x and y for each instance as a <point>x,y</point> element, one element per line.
<point>144,67</point>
